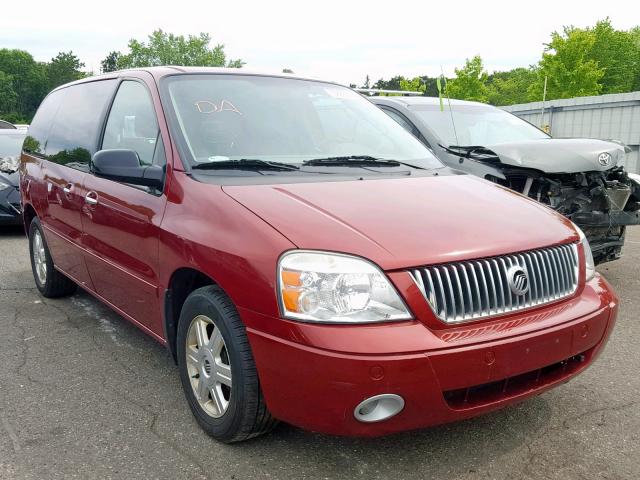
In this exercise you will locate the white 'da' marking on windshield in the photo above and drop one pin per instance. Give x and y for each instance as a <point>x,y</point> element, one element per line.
<point>205,106</point>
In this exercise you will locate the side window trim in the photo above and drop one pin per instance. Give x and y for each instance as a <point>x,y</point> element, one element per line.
<point>105,119</point>
<point>159,137</point>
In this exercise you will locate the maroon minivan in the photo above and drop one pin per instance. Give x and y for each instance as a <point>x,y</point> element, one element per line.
<point>301,255</point>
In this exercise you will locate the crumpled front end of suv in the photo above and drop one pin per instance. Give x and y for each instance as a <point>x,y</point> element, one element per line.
<point>503,304</point>
<point>582,179</point>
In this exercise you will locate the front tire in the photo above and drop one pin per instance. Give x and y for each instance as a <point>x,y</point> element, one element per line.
<point>217,369</point>
<point>49,281</point>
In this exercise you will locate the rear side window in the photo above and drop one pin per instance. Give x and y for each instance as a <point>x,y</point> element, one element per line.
<point>75,131</point>
<point>132,124</point>
<point>41,124</point>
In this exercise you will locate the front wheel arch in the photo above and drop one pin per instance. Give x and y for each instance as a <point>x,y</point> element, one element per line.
<point>182,282</point>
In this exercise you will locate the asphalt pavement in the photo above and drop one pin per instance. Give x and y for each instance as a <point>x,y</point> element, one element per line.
<point>84,394</point>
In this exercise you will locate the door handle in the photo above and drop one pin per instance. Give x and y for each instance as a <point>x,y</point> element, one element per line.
<point>91,198</point>
<point>67,188</point>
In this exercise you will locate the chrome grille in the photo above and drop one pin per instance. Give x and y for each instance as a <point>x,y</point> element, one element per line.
<point>470,290</point>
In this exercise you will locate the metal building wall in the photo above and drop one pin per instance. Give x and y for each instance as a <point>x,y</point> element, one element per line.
<point>607,117</point>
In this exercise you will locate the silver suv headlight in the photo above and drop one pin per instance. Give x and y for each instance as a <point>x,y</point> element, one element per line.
<point>590,265</point>
<point>329,287</point>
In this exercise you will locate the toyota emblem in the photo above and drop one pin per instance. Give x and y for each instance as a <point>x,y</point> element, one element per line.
<point>604,159</point>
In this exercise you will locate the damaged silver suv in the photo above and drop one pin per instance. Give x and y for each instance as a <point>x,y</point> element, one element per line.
<point>581,178</point>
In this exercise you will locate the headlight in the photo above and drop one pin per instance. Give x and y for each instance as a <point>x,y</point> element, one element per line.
<point>590,265</point>
<point>9,163</point>
<point>336,288</point>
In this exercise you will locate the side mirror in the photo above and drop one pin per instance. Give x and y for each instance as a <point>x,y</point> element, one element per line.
<point>124,166</point>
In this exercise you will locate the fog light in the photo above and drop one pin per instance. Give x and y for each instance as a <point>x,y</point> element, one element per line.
<point>379,408</point>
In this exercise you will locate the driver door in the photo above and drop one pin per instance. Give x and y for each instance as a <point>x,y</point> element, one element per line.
<point>121,222</point>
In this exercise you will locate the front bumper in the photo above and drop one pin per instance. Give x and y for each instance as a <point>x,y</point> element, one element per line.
<point>314,379</point>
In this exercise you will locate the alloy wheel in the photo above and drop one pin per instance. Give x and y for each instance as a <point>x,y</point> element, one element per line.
<point>39,257</point>
<point>208,366</point>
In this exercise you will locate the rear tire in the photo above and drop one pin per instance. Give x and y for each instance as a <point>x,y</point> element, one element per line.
<point>49,281</point>
<point>217,369</point>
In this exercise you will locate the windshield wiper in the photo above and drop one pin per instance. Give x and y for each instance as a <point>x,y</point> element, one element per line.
<point>245,164</point>
<point>352,161</point>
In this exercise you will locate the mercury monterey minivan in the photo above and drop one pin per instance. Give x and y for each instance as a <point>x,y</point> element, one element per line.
<point>301,255</point>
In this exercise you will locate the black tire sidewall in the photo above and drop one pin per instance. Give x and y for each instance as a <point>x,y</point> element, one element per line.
<point>202,302</point>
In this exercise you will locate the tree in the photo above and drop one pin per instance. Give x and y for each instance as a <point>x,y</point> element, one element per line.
<point>618,54</point>
<point>391,84</point>
<point>470,82</point>
<point>413,85</point>
<point>168,49</point>
<point>512,86</point>
<point>24,81</point>
<point>635,36</point>
<point>568,67</point>
<point>111,62</point>
<point>8,96</point>
<point>64,68</point>
<point>287,70</point>
<point>424,84</point>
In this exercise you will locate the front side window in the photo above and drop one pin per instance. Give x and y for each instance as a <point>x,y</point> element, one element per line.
<point>132,124</point>
<point>233,117</point>
<point>475,125</point>
<point>74,134</point>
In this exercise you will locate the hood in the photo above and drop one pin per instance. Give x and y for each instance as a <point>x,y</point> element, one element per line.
<point>10,178</point>
<point>400,223</point>
<point>560,155</point>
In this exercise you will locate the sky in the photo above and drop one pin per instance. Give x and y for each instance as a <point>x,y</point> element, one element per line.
<point>341,41</point>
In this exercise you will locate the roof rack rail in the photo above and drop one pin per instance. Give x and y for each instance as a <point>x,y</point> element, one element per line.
<point>376,91</point>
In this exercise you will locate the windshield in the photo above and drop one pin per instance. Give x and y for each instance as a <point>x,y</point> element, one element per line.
<point>11,144</point>
<point>233,117</point>
<point>476,125</point>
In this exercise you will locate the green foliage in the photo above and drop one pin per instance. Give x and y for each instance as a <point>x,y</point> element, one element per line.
<point>391,84</point>
<point>23,84</point>
<point>568,67</point>
<point>470,82</point>
<point>617,52</point>
<point>511,87</point>
<point>424,84</point>
<point>110,62</point>
<point>168,49</point>
<point>64,68</point>
<point>413,85</point>
<point>576,62</point>
<point>8,96</point>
